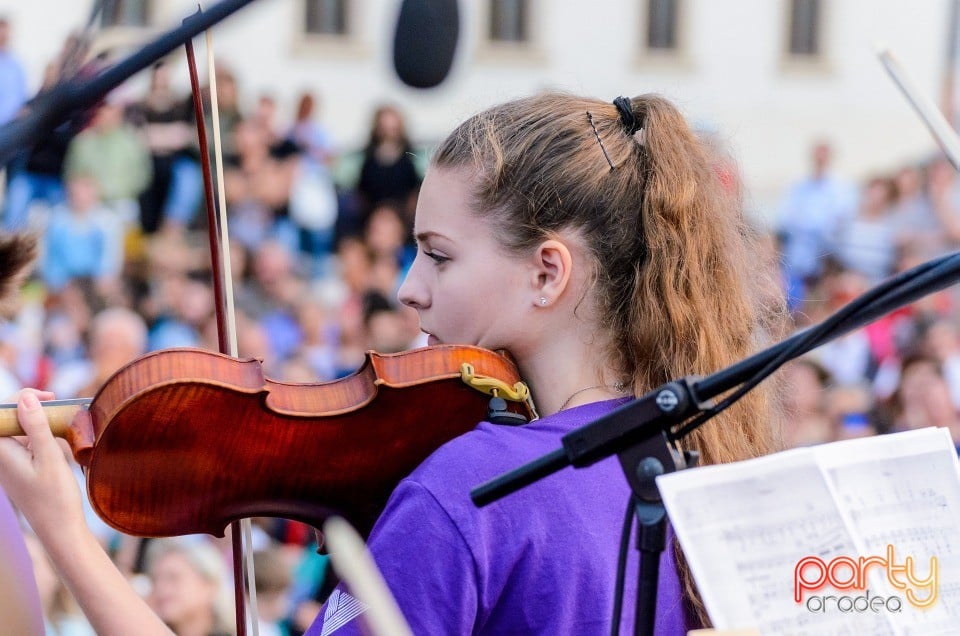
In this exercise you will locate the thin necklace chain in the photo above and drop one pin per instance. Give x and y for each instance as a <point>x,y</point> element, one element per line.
<point>618,387</point>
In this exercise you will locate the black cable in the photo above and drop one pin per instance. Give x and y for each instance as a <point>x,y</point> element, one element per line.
<point>622,566</point>
<point>897,291</point>
<point>890,294</point>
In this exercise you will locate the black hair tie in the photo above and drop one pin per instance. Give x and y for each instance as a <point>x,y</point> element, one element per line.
<point>630,121</point>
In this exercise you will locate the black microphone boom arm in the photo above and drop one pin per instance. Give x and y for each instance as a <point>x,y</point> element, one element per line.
<point>49,110</point>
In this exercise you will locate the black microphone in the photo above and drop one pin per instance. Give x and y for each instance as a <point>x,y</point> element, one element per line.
<point>425,41</point>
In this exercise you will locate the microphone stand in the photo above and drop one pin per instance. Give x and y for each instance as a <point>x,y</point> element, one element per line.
<point>643,433</point>
<point>49,110</point>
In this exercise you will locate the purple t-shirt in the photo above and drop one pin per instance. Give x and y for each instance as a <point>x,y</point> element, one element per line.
<point>540,561</point>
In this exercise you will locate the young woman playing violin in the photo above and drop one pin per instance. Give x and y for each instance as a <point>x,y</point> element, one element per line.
<point>595,243</point>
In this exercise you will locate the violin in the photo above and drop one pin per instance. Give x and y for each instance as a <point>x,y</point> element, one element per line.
<point>186,441</point>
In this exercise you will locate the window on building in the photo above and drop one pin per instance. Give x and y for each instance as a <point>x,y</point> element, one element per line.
<point>327,17</point>
<point>509,21</point>
<point>804,27</point>
<point>662,25</point>
<point>125,13</point>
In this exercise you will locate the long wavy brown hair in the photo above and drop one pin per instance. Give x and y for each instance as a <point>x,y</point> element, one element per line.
<point>675,265</point>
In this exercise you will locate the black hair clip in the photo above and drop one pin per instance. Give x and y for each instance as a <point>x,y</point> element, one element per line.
<point>599,141</point>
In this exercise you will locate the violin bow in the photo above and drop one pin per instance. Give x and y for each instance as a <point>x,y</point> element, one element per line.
<point>240,532</point>
<point>936,123</point>
<point>356,567</point>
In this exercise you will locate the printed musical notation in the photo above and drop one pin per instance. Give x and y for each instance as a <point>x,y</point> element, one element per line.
<point>744,527</point>
<point>900,493</point>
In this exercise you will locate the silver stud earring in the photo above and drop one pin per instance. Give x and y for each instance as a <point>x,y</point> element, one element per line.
<point>543,301</point>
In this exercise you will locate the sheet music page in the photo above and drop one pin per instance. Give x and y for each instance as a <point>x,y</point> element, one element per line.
<point>744,527</point>
<point>896,493</point>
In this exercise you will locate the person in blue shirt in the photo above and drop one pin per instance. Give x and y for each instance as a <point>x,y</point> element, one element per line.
<point>813,213</point>
<point>13,81</point>
<point>76,245</point>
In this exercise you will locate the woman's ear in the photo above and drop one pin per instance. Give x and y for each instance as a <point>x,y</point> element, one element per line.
<point>552,266</point>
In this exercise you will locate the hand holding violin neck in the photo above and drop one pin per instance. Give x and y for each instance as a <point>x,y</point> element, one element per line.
<point>64,423</point>
<point>59,412</point>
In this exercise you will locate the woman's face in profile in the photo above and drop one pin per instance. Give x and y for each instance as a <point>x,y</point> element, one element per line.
<point>464,286</point>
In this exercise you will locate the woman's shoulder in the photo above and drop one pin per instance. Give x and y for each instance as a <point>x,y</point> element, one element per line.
<point>489,450</point>
<point>444,480</point>
<point>477,454</point>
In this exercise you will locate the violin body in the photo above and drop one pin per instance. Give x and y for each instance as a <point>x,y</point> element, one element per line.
<point>185,441</point>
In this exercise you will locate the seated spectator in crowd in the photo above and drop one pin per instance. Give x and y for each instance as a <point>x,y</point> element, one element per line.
<point>943,188</point>
<point>258,186</point>
<point>868,242</point>
<point>228,103</point>
<point>265,116</point>
<point>13,81</point>
<point>273,578</point>
<point>314,200</point>
<point>165,119</point>
<point>805,422</point>
<point>190,586</point>
<point>272,295</point>
<point>37,177</point>
<point>939,339</point>
<point>117,336</point>
<point>850,411</point>
<point>386,235</point>
<point>848,359</point>
<point>313,139</point>
<point>388,171</point>
<point>385,326</point>
<point>274,282</point>
<point>355,266</point>
<point>112,152</point>
<point>385,276</point>
<point>189,310</point>
<point>914,220</point>
<point>812,212</point>
<point>76,242</point>
<point>923,398</point>
<point>312,211</point>
<point>62,339</point>
<point>319,348</point>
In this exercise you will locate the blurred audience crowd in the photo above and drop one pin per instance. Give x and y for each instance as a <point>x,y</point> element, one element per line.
<point>320,240</point>
<point>835,240</point>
